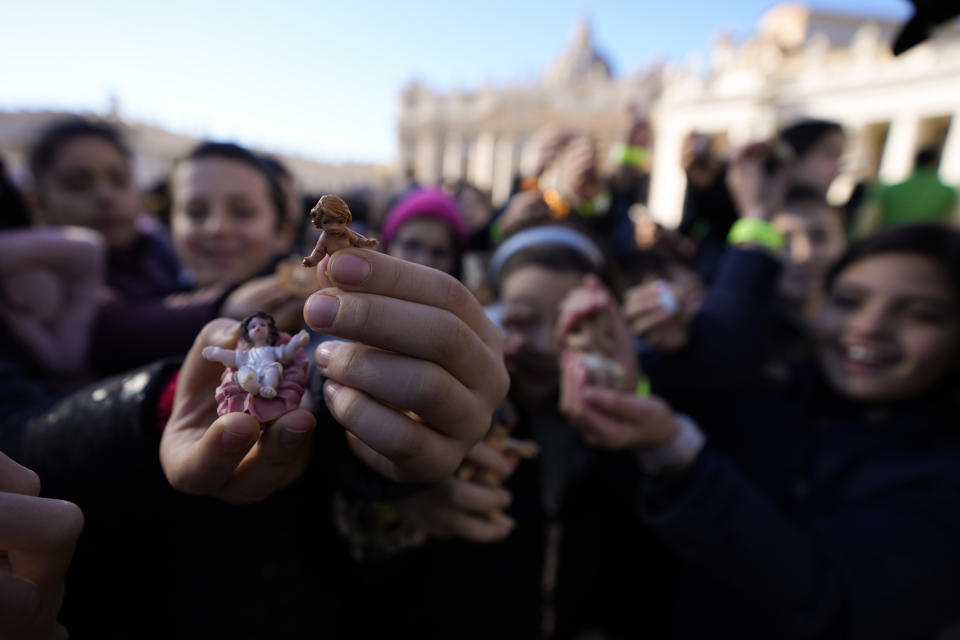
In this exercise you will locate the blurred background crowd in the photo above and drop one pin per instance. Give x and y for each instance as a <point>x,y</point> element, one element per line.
<point>770,246</point>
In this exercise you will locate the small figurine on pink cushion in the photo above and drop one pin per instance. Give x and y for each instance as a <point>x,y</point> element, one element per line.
<point>332,215</point>
<point>266,374</point>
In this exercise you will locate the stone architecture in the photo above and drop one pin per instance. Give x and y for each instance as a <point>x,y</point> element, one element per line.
<point>490,135</point>
<point>155,150</point>
<point>799,62</point>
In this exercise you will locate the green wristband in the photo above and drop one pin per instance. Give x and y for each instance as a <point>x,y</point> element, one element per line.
<point>630,156</point>
<point>755,231</point>
<point>643,387</point>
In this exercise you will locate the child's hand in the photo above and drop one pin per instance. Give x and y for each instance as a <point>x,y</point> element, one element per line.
<point>462,508</point>
<point>265,294</point>
<point>612,419</point>
<point>37,538</point>
<point>593,298</point>
<point>418,387</point>
<point>227,457</point>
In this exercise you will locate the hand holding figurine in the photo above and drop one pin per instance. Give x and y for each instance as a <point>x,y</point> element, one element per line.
<point>37,538</point>
<point>463,507</point>
<point>613,419</point>
<point>418,387</point>
<point>230,456</point>
<point>591,329</point>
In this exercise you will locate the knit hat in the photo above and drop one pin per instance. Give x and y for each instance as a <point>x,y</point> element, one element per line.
<point>425,203</point>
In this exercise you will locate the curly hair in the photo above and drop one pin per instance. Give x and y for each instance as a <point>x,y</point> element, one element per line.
<point>332,206</point>
<point>245,327</point>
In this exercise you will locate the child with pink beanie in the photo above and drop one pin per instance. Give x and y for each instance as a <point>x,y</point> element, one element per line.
<point>427,227</point>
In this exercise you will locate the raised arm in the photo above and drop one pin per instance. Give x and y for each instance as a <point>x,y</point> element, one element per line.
<point>296,342</point>
<point>226,357</point>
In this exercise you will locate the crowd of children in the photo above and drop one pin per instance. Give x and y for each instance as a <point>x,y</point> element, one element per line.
<point>745,427</point>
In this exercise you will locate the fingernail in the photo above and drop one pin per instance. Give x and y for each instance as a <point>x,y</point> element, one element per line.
<point>325,351</point>
<point>505,498</point>
<point>330,389</point>
<point>292,438</point>
<point>234,441</point>
<point>349,269</point>
<point>321,310</point>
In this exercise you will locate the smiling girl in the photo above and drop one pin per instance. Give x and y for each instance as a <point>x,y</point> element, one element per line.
<point>832,507</point>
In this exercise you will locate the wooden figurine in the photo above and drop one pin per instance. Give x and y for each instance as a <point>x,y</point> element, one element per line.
<point>332,215</point>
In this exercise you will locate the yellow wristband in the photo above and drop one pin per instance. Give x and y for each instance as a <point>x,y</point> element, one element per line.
<point>755,231</point>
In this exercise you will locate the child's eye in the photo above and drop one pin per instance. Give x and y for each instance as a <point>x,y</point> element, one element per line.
<point>196,211</point>
<point>927,316</point>
<point>77,182</point>
<point>842,301</point>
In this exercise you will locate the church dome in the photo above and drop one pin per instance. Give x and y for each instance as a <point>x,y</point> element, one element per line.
<point>579,64</point>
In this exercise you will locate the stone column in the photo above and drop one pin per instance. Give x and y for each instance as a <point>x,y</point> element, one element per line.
<point>481,161</point>
<point>900,149</point>
<point>667,181</point>
<point>428,159</point>
<point>504,165</point>
<point>950,157</point>
<point>453,161</point>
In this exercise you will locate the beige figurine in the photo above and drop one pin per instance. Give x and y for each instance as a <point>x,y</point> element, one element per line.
<point>331,215</point>
<point>587,329</point>
<point>504,420</point>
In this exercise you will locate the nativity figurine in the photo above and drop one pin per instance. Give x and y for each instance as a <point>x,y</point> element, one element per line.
<point>332,215</point>
<point>266,374</point>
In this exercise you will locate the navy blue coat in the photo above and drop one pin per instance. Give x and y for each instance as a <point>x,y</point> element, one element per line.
<point>807,515</point>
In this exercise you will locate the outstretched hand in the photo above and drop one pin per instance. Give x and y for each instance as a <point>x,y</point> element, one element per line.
<point>228,457</point>
<point>462,508</point>
<point>37,538</point>
<point>418,387</point>
<point>612,419</point>
<point>591,297</point>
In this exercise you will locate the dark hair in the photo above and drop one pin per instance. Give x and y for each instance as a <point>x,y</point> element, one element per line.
<point>276,167</point>
<point>245,327</point>
<point>231,151</point>
<point>803,135</point>
<point>938,243</point>
<point>640,265</point>
<point>561,258</point>
<point>13,210</point>
<point>926,157</point>
<point>52,140</point>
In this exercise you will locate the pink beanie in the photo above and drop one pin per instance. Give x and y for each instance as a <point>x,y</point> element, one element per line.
<point>425,203</point>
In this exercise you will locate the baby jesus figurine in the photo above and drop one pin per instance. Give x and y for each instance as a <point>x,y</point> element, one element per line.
<point>588,330</point>
<point>266,374</point>
<point>332,215</point>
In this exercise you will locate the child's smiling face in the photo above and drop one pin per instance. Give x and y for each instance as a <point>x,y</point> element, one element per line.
<point>889,328</point>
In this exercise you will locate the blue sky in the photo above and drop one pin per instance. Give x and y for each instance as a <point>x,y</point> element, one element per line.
<point>322,78</point>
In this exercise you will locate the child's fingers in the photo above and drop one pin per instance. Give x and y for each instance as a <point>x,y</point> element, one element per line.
<point>205,464</point>
<point>15,478</point>
<point>278,458</point>
<point>420,331</point>
<point>469,526</point>
<point>377,273</point>
<point>485,456</point>
<point>476,498</point>
<point>408,450</point>
<point>425,388</point>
